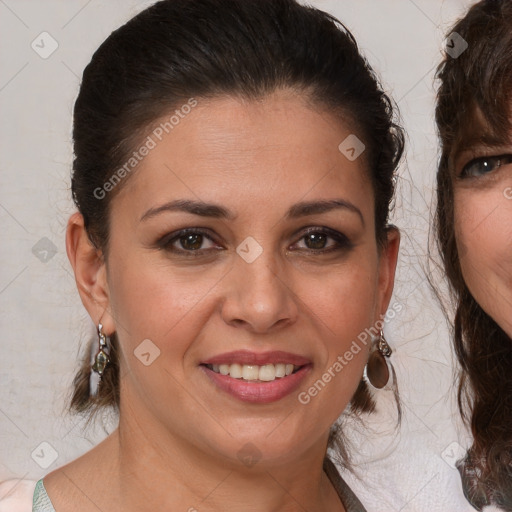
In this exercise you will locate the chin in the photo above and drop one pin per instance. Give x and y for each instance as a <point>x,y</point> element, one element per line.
<point>269,450</point>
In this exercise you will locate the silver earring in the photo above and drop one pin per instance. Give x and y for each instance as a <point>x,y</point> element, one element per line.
<point>378,371</point>
<point>100,361</point>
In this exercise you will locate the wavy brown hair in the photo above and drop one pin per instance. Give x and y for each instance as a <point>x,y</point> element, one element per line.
<point>473,104</point>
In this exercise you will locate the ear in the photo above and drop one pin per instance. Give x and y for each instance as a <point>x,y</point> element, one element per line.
<point>387,266</point>
<point>90,273</point>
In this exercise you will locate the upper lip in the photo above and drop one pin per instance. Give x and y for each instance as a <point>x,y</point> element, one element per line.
<point>258,359</point>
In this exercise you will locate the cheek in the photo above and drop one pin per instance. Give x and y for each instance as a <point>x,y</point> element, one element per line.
<point>151,301</point>
<point>341,311</point>
<point>483,230</point>
<point>347,303</point>
<point>180,310</point>
<point>155,296</point>
<point>343,307</point>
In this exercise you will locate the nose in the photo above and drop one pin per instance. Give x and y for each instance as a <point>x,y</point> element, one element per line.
<point>259,296</point>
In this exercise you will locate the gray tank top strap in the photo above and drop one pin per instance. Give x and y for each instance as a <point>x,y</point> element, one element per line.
<point>347,497</point>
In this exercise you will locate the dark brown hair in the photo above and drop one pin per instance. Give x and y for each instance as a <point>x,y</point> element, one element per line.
<point>473,103</point>
<point>181,49</point>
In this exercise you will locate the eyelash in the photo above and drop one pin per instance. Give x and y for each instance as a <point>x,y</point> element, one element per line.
<point>342,242</point>
<point>499,160</point>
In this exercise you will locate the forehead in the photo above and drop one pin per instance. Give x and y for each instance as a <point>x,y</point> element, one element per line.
<point>234,146</point>
<point>479,131</point>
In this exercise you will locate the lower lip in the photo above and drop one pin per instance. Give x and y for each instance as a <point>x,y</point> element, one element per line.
<point>258,392</point>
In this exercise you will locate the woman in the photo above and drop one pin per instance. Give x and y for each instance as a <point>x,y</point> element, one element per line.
<point>233,174</point>
<point>474,229</point>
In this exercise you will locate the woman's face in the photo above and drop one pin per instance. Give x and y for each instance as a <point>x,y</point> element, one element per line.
<point>483,228</point>
<point>244,246</point>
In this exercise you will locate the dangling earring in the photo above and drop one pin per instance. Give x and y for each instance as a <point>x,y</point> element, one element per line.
<point>100,361</point>
<point>378,370</point>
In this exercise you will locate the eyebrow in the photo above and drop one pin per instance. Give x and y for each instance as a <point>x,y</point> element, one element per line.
<point>195,207</point>
<point>315,207</point>
<point>219,212</point>
<point>480,141</point>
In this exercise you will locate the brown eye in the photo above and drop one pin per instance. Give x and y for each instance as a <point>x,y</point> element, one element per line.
<point>188,241</point>
<point>316,240</point>
<point>191,242</point>
<point>322,240</point>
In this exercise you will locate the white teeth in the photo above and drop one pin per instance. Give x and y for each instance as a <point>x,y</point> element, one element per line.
<point>235,371</point>
<point>280,370</point>
<point>250,372</point>
<point>265,373</point>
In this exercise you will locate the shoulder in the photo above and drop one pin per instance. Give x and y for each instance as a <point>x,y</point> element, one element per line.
<point>16,495</point>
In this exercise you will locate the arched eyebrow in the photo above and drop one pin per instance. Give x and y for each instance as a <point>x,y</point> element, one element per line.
<point>316,207</point>
<point>219,212</point>
<point>190,206</point>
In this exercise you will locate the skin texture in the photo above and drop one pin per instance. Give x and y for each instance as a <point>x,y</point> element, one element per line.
<point>179,436</point>
<point>483,227</point>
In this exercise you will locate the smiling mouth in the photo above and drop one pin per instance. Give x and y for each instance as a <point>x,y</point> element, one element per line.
<point>255,373</point>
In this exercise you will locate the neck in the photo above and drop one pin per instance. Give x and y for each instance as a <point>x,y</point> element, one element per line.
<point>158,472</point>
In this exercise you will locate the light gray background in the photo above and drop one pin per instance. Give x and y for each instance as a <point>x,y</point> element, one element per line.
<point>43,322</point>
